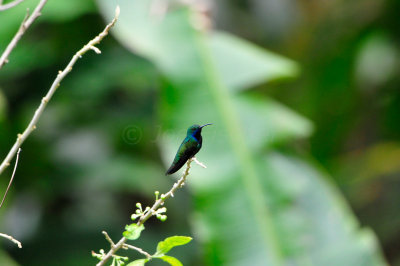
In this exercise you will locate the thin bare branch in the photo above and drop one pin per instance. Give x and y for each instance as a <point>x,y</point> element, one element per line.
<point>12,239</point>
<point>126,246</point>
<point>199,163</point>
<point>146,215</point>
<point>56,83</point>
<point>9,5</point>
<point>26,23</point>
<point>12,178</point>
<point>108,238</point>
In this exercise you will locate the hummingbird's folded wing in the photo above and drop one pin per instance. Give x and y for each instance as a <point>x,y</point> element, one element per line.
<point>187,150</point>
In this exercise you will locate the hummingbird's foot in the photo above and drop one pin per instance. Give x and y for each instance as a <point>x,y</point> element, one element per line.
<point>199,163</point>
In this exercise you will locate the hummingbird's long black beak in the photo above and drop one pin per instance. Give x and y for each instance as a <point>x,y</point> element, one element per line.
<point>205,125</point>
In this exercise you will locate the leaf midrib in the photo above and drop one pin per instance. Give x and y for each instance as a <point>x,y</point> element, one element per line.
<point>249,176</point>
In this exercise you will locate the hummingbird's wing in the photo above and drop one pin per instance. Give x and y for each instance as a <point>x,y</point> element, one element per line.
<point>187,150</point>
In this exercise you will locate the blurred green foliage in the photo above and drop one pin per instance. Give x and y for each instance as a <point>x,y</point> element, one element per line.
<point>117,119</point>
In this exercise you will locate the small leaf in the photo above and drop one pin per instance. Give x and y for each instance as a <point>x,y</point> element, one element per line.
<point>133,231</point>
<point>171,260</point>
<point>164,246</point>
<point>140,262</point>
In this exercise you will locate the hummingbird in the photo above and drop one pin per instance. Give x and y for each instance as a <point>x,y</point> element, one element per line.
<point>188,149</point>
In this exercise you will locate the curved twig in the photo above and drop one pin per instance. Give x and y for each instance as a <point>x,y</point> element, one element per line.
<point>12,239</point>
<point>56,83</point>
<point>10,5</point>
<point>26,23</point>
<point>12,178</point>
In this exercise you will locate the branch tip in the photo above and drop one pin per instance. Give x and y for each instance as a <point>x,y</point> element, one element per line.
<point>108,238</point>
<point>12,239</point>
<point>11,179</point>
<point>97,50</point>
<point>25,24</point>
<point>9,5</point>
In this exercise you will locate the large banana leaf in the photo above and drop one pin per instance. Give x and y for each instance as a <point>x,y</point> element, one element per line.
<point>253,206</point>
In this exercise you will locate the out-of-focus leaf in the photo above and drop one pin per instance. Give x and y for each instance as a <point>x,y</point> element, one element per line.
<point>66,10</point>
<point>5,259</point>
<point>237,197</point>
<point>164,246</point>
<point>140,262</point>
<point>133,231</point>
<point>266,121</point>
<point>171,260</point>
<point>313,220</point>
<point>256,65</point>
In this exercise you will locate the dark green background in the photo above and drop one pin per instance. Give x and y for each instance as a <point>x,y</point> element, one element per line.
<point>100,144</point>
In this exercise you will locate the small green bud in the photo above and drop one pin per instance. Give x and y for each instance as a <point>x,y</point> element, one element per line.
<point>137,211</point>
<point>134,216</point>
<point>163,218</point>
<point>138,205</point>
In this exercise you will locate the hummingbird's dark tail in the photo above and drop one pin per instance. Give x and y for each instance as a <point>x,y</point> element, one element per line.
<point>176,165</point>
<point>174,168</point>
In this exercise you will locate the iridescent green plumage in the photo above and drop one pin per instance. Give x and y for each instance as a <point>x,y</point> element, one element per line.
<point>188,149</point>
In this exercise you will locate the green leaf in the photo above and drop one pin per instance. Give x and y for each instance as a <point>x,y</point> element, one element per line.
<point>269,122</point>
<point>6,259</point>
<point>171,260</point>
<point>60,11</point>
<point>229,50</point>
<point>140,262</point>
<point>164,246</point>
<point>310,207</point>
<point>133,231</point>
